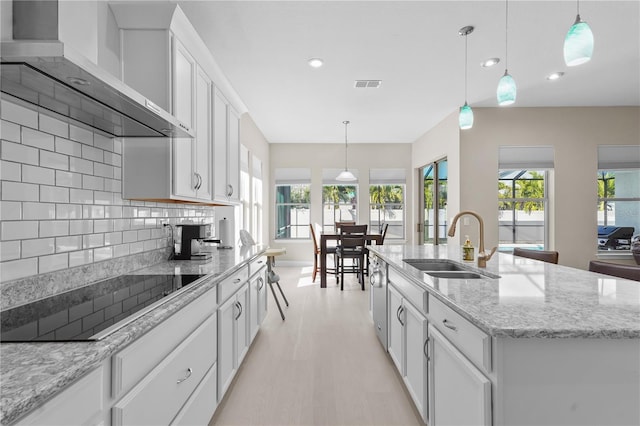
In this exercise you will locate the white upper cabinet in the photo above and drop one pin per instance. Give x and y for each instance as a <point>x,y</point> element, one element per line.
<point>227,151</point>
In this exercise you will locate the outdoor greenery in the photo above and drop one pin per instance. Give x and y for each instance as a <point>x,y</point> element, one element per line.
<point>606,186</point>
<point>338,194</point>
<point>382,195</point>
<point>529,188</point>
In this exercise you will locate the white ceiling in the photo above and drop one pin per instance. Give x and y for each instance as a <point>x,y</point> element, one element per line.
<point>415,49</point>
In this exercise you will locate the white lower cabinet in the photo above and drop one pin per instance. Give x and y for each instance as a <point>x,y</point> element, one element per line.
<point>407,347</point>
<point>258,301</point>
<point>162,393</point>
<point>199,409</point>
<point>459,393</point>
<point>232,336</point>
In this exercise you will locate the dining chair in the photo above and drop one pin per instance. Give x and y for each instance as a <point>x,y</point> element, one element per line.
<point>545,256</point>
<point>315,232</point>
<point>339,225</point>
<point>630,272</point>
<point>383,232</point>
<point>351,246</point>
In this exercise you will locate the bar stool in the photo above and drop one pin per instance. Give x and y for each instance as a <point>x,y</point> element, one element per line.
<point>273,278</point>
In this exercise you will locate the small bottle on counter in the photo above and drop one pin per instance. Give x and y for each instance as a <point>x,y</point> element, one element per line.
<point>467,250</point>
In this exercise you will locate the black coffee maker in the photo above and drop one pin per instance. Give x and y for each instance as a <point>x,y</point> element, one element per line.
<point>189,233</point>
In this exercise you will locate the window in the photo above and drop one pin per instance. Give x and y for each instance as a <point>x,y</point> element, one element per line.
<point>386,201</point>
<point>256,190</point>
<point>245,187</point>
<point>521,209</point>
<point>293,203</point>
<point>522,196</point>
<point>339,200</point>
<point>618,197</point>
<point>434,202</point>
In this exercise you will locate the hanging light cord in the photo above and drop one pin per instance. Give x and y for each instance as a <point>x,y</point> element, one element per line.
<point>346,123</point>
<point>506,36</point>
<point>578,2</point>
<point>465,68</point>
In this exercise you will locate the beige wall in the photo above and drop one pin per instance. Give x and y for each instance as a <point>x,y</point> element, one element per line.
<point>323,156</point>
<point>575,134</point>
<point>441,141</point>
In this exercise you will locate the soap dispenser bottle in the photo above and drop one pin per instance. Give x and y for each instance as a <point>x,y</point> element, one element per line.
<point>467,250</point>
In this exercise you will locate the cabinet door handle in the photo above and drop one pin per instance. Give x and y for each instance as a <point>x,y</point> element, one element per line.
<point>401,312</point>
<point>261,282</point>
<point>229,190</point>
<point>424,350</point>
<point>449,325</point>
<point>237,280</point>
<point>398,313</point>
<point>372,279</point>
<point>189,371</point>
<point>237,305</point>
<point>199,184</point>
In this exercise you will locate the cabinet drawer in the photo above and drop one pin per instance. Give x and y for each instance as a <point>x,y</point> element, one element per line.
<point>159,396</point>
<point>231,284</point>
<point>417,295</point>
<point>469,339</point>
<point>202,404</point>
<point>132,363</point>
<point>79,404</point>
<point>256,264</point>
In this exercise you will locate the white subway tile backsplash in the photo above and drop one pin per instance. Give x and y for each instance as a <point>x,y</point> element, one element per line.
<point>137,223</point>
<point>101,197</point>
<point>93,212</point>
<point>113,185</point>
<point>78,227</point>
<point>19,230</point>
<point>92,240</point>
<point>34,174</point>
<point>104,225</point>
<point>113,159</point>
<point>80,165</point>
<point>68,211</point>
<point>10,210</point>
<point>77,258</point>
<point>113,212</point>
<point>39,247</point>
<point>71,243</point>
<point>103,142</point>
<point>80,134</point>
<point>144,234</point>
<point>103,170</point>
<point>15,191</point>
<point>136,247</point>
<point>53,126</point>
<point>81,196</point>
<point>102,253</point>
<point>19,153</point>
<point>92,182</point>
<point>112,238</point>
<point>54,262</point>
<point>54,194</point>
<point>91,153</point>
<point>54,160</point>
<point>10,131</point>
<point>129,236</point>
<point>121,224</point>
<point>10,171</point>
<point>68,147</point>
<point>70,179</point>
<point>149,245</point>
<point>37,139</point>
<point>18,114</point>
<point>151,223</point>
<point>9,250</point>
<point>121,250</point>
<point>54,228</point>
<point>38,211</point>
<point>117,145</point>
<point>15,269</point>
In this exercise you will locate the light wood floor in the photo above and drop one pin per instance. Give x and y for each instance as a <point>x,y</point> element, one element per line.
<point>322,366</point>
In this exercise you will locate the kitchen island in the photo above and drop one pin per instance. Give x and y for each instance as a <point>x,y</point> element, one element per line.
<point>536,343</point>
<point>33,373</point>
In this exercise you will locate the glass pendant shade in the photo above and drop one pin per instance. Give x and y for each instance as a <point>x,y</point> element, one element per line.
<point>465,119</point>
<point>578,44</point>
<point>346,175</point>
<point>506,90</point>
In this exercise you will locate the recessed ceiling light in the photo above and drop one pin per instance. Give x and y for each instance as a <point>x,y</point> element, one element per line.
<point>555,75</point>
<point>315,62</point>
<point>487,63</point>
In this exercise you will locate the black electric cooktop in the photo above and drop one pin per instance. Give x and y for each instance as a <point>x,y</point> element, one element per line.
<point>90,312</point>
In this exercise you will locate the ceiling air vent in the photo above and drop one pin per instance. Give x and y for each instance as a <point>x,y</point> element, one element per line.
<point>373,84</point>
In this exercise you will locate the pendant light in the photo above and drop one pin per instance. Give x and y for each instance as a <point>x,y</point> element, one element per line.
<point>578,44</point>
<point>465,118</point>
<point>506,92</point>
<point>345,175</point>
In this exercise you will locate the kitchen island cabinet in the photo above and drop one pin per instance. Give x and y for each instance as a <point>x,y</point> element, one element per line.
<point>541,344</point>
<point>122,370</point>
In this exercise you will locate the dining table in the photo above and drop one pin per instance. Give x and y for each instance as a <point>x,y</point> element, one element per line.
<point>324,237</point>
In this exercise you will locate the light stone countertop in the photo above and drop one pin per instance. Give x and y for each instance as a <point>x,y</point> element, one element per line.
<point>32,373</point>
<point>531,299</point>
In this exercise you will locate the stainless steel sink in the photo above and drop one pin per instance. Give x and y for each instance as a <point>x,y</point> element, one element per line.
<point>445,268</point>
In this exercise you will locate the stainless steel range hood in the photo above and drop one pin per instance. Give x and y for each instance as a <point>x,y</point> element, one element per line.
<point>45,72</point>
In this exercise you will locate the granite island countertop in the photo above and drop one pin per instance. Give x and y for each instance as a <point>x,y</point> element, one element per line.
<point>531,299</point>
<point>32,373</point>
